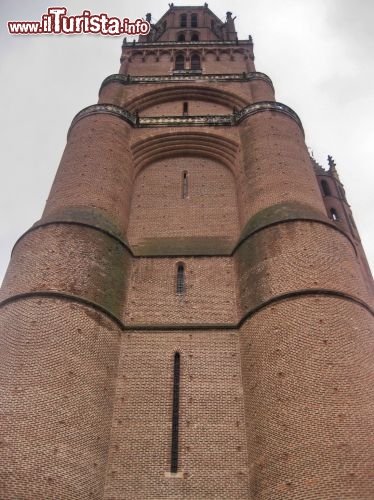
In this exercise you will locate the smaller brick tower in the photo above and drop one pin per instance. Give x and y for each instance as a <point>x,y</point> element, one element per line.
<point>339,210</point>
<point>192,316</point>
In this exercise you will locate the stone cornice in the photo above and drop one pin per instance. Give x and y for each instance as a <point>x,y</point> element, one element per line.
<point>258,107</point>
<point>187,121</point>
<point>108,109</point>
<point>172,43</point>
<point>185,76</point>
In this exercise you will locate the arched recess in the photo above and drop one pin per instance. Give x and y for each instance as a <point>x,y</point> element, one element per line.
<point>166,145</point>
<point>168,219</point>
<point>185,93</point>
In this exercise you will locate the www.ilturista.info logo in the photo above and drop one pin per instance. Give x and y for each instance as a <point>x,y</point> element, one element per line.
<point>57,22</point>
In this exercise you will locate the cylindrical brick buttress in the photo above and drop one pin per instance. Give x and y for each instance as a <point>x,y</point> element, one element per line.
<point>307,342</point>
<point>60,332</point>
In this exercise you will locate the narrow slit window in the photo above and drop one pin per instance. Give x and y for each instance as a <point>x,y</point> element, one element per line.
<point>185,108</point>
<point>185,184</point>
<point>180,279</point>
<point>334,214</point>
<point>325,188</point>
<point>175,418</point>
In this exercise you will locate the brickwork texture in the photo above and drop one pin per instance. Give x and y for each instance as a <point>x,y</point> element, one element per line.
<point>188,319</point>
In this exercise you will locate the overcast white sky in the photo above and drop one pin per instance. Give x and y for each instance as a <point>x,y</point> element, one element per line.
<point>319,54</point>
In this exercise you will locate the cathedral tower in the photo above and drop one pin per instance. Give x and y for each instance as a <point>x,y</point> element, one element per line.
<point>192,315</point>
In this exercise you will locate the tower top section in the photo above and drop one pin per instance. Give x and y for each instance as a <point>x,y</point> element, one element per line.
<point>190,24</point>
<point>187,42</point>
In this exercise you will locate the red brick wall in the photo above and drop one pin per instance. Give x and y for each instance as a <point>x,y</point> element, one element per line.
<point>261,91</point>
<point>278,402</point>
<point>207,217</point>
<point>95,171</point>
<point>195,107</point>
<point>140,96</point>
<point>309,379</point>
<point>293,256</point>
<point>212,446</point>
<point>210,295</point>
<point>58,360</point>
<point>148,64</point>
<point>214,60</point>
<point>277,167</point>
<point>71,259</point>
<point>224,62</point>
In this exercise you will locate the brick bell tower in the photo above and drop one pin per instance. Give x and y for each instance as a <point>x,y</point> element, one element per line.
<point>191,316</point>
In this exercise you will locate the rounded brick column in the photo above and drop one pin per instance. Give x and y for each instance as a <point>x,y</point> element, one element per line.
<point>60,330</point>
<point>308,376</point>
<point>279,178</point>
<point>307,328</point>
<point>94,180</point>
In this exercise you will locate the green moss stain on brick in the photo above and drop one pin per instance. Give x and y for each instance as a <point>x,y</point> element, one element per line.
<point>184,246</point>
<point>85,215</point>
<point>280,212</point>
